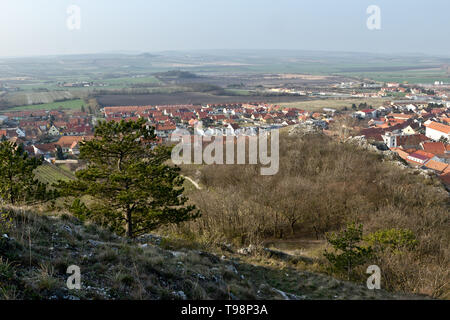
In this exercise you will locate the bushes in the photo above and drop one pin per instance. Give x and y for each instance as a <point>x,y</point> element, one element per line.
<point>351,252</point>
<point>321,186</point>
<point>395,239</point>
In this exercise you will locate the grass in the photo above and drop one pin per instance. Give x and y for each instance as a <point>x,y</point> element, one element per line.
<point>69,104</point>
<point>50,174</point>
<point>130,80</point>
<point>339,104</point>
<point>425,76</point>
<point>41,246</point>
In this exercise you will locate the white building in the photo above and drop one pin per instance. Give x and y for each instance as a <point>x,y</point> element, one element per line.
<point>367,113</point>
<point>53,131</point>
<point>390,140</point>
<point>436,130</point>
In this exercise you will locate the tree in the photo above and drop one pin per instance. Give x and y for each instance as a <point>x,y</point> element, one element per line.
<point>294,205</point>
<point>17,178</point>
<point>349,254</point>
<point>134,189</point>
<point>59,153</point>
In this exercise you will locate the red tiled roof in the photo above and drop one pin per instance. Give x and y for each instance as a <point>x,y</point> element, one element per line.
<point>436,165</point>
<point>439,127</point>
<point>425,154</point>
<point>434,147</point>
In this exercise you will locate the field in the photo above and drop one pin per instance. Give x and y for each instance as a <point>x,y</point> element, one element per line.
<point>69,104</point>
<point>124,81</point>
<point>187,98</point>
<point>50,174</point>
<point>223,76</point>
<point>338,104</point>
<point>421,76</point>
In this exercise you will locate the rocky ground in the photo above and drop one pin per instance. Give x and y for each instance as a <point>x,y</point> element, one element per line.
<point>36,249</point>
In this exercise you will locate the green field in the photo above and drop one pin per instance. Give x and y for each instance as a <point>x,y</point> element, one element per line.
<point>339,104</point>
<point>69,104</point>
<point>130,80</point>
<point>424,76</point>
<point>49,173</point>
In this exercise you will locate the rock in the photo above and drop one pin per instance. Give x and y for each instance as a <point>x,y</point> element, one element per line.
<point>154,239</point>
<point>178,254</point>
<point>95,243</point>
<point>180,294</point>
<point>201,277</point>
<point>67,228</point>
<point>226,247</point>
<point>288,296</point>
<point>210,256</point>
<point>246,251</point>
<point>231,268</point>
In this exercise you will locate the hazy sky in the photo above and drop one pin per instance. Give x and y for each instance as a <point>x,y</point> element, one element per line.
<point>39,27</point>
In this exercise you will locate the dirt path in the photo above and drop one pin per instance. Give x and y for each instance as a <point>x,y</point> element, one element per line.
<point>196,185</point>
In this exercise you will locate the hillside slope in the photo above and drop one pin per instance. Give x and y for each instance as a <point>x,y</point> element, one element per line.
<point>36,249</point>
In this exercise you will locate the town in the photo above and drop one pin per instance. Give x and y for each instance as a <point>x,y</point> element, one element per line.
<point>419,132</point>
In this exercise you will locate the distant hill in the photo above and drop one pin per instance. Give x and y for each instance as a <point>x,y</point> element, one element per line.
<point>176,74</point>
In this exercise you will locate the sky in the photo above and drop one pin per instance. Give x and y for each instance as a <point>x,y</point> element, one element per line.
<point>45,27</point>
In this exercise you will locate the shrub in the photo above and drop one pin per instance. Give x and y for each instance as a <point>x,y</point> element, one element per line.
<point>349,253</point>
<point>395,239</point>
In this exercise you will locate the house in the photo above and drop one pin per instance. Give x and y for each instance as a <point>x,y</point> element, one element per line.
<point>367,113</point>
<point>66,142</point>
<point>410,141</point>
<point>436,166</point>
<point>75,148</point>
<point>390,140</point>
<point>232,129</point>
<point>53,131</point>
<point>20,133</point>
<point>3,119</point>
<point>437,148</point>
<point>418,159</point>
<point>400,116</point>
<point>436,130</point>
<point>413,128</point>
<point>402,154</point>
<point>45,149</point>
<point>164,130</point>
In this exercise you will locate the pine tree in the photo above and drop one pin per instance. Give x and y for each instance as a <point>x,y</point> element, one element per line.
<point>133,188</point>
<point>18,183</point>
<point>349,252</point>
<point>59,153</point>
